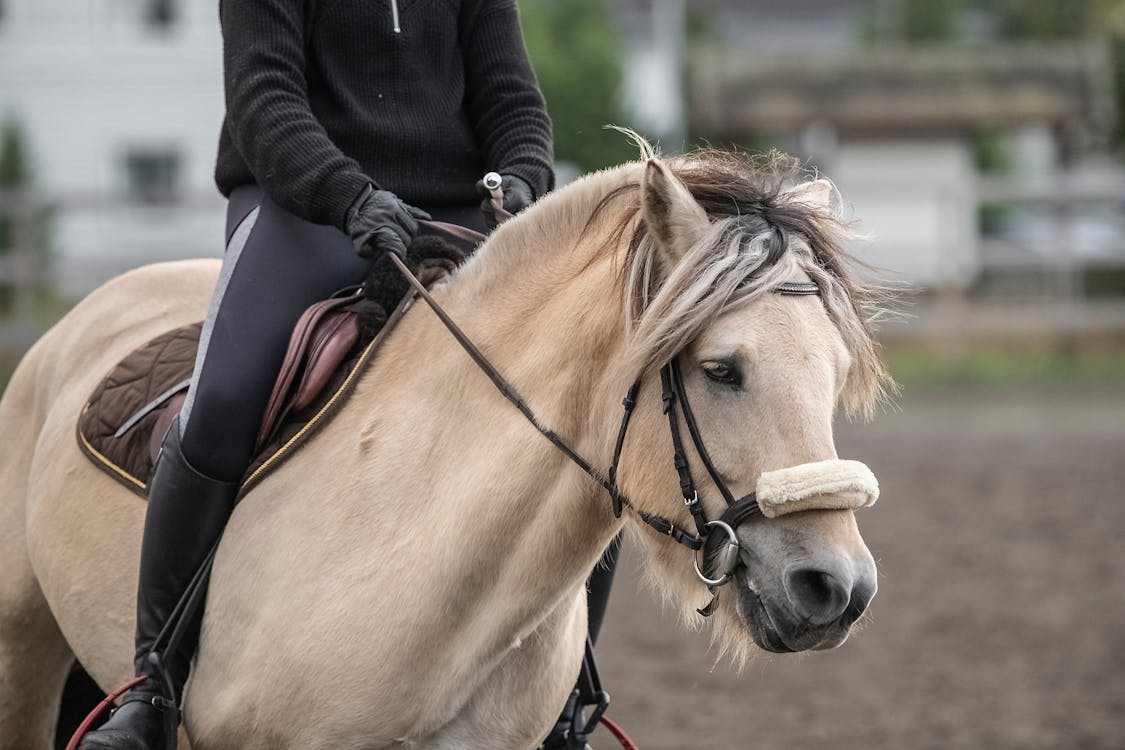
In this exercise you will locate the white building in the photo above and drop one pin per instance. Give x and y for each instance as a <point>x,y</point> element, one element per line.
<point>894,126</point>
<point>120,103</point>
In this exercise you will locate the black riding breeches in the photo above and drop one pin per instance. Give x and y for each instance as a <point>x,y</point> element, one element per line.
<point>275,266</point>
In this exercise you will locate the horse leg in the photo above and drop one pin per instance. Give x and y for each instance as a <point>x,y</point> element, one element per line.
<point>35,659</point>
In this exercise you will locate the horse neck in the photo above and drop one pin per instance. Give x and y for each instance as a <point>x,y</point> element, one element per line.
<point>552,324</point>
<point>544,300</point>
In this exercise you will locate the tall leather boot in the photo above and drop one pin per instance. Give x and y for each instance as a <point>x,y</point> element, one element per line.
<point>187,511</point>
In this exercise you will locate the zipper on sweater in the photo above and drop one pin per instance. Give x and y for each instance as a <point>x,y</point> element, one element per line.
<point>394,16</point>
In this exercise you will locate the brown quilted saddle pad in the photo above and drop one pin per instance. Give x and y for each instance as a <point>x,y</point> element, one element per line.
<point>127,416</point>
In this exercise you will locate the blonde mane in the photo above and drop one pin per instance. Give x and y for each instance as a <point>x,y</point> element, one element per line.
<point>767,227</point>
<point>765,230</point>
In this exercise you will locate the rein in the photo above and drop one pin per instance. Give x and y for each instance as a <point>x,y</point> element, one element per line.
<point>508,391</point>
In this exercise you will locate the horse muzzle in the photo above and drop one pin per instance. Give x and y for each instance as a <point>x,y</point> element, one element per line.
<point>814,609</point>
<point>797,591</point>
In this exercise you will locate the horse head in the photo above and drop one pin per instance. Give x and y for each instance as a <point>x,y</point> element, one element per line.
<point>736,276</point>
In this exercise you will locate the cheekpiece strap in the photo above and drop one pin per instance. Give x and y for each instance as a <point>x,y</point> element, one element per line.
<point>709,609</point>
<point>629,403</point>
<point>663,526</point>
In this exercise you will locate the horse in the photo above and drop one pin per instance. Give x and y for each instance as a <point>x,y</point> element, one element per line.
<point>414,576</point>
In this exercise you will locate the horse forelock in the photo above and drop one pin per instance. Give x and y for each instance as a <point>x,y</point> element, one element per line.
<point>764,230</point>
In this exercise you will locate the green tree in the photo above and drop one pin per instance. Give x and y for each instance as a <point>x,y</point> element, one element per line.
<point>1041,19</point>
<point>15,175</point>
<point>576,53</point>
<point>21,222</point>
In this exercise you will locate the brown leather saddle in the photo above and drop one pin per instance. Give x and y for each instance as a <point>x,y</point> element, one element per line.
<point>124,421</point>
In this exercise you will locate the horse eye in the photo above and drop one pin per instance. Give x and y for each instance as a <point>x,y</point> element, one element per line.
<point>722,371</point>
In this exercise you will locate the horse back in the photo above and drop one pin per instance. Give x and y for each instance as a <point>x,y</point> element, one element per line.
<point>64,364</point>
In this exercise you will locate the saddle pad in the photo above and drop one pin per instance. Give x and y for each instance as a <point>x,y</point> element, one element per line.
<point>133,405</point>
<point>136,381</point>
<point>147,382</point>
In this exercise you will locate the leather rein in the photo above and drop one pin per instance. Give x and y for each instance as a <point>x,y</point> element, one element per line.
<point>720,558</point>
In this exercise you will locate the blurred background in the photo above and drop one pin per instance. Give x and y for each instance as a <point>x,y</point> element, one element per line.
<point>980,143</point>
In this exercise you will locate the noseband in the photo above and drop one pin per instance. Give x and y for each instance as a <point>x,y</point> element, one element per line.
<point>831,484</point>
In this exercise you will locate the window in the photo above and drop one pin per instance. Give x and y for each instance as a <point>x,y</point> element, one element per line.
<point>152,175</point>
<point>158,15</point>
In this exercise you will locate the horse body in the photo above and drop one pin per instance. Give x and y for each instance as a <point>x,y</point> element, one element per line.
<point>414,576</point>
<point>427,527</point>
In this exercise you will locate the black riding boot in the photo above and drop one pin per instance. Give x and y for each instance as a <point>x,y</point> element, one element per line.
<point>186,514</point>
<point>563,736</point>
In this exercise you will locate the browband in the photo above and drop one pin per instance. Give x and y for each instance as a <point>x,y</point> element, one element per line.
<point>797,288</point>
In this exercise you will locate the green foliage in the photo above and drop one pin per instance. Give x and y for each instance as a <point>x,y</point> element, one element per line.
<point>15,182</point>
<point>15,173</point>
<point>931,20</point>
<point>992,153</point>
<point>1040,19</point>
<point>576,53</point>
<point>7,367</point>
<point>1117,58</point>
<point>1031,363</point>
<point>925,21</point>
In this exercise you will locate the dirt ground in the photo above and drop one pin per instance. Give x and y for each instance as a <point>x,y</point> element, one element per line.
<point>1000,617</point>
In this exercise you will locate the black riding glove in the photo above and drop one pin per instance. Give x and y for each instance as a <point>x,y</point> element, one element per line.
<point>378,221</point>
<point>517,196</point>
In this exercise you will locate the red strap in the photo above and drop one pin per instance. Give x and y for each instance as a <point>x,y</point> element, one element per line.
<point>613,727</point>
<point>616,730</point>
<point>106,703</point>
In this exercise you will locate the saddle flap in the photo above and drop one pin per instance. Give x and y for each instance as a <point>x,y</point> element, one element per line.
<point>164,423</point>
<point>332,340</point>
<point>309,329</point>
<point>126,418</point>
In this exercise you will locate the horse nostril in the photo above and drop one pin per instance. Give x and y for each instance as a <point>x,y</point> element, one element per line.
<point>817,596</point>
<point>861,597</point>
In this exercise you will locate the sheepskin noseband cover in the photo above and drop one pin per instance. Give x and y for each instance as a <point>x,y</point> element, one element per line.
<point>822,485</point>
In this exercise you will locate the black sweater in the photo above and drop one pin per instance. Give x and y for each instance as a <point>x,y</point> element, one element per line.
<point>323,96</point>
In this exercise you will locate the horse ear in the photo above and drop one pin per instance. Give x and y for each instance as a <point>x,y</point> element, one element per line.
<point>814,193</point>
<point>674,218</point>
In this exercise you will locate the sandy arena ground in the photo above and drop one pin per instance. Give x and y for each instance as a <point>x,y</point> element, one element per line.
<point>1000,618</point>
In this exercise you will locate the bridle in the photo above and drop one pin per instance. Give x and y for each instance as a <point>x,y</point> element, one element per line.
<point>720,558</point>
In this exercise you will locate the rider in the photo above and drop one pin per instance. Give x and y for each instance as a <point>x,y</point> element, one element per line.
<point>346,123</point>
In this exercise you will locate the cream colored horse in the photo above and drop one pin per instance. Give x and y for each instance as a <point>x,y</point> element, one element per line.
<point>414,576</point>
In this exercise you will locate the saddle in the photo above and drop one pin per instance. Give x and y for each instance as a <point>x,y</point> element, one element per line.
<point>126,418</point>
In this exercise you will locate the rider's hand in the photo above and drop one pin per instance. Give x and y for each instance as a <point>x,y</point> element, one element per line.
<point>517,195</point>
<point>378,221</point>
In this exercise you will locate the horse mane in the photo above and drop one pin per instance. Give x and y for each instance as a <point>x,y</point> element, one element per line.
<point>763,232</point>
